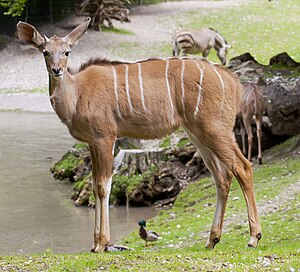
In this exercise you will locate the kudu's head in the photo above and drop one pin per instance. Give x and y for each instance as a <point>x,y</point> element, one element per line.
<point>55,50</point>
<point>222,53</point>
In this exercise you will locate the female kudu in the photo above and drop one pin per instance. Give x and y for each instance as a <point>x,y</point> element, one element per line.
<point>200,41</point>
<point>252,104</point>
<point>147,99</point>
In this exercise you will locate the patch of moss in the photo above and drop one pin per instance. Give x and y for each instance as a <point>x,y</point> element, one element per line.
<point>79,184</point>
<point>165,143</point>
<point>123,185</point>
<point>80,145</point>
<point>183,141</point>
<point>65,166</point>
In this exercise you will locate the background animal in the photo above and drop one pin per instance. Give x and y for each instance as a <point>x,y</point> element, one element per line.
<point>147,99</point>
<point>200,41</point>
<point>252,105</point>
<point>147,235</point>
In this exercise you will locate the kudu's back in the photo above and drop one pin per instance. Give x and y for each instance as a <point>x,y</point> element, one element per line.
<point>149,99</point>
<point>253,99</point>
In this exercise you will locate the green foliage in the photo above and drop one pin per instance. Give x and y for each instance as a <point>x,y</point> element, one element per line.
<point>13,7</point>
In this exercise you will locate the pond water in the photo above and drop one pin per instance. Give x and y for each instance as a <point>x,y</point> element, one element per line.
<point>36,212</point>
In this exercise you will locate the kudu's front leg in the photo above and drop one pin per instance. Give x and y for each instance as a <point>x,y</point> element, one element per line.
<point>205,53</point>
<point>102,161</point>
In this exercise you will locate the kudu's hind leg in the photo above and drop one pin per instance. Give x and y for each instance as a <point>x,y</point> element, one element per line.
<point>247,119</point>
<point>223,146</point>
<point>102,160</point>
<point>243,133</point>
<point>228,152</point>
<point>223,178</point>
<point>259,135</point>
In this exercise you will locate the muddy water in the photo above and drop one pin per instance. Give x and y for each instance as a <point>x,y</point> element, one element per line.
<point>36,212</point>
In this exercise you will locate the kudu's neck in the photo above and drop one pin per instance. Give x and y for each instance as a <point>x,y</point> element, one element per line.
<point>220,42</point>
<point>63,96</point>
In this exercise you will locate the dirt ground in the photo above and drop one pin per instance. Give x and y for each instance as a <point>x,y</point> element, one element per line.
<point>24,69</point>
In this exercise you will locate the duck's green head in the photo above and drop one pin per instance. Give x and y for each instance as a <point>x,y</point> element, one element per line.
<point>142,223</point>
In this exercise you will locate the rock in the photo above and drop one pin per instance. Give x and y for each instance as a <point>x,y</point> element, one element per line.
<point>132,161</point>
<point>283,59</point>
<point>281,90</point>
<point>162,185</point>
<point>283,108</point>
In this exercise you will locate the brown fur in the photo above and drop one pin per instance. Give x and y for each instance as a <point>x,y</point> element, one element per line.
<point>96,107</point>
<point>252,104</point>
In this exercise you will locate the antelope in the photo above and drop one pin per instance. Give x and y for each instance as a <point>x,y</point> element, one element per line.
<point>147,99</point>
<point>200,41</point>
<point>252,104</point>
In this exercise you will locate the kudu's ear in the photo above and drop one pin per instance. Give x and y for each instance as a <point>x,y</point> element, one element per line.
<point>77,33</point>
<point>28,35</point>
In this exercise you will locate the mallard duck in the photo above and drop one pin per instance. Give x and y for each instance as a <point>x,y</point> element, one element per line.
<point>147,235</point>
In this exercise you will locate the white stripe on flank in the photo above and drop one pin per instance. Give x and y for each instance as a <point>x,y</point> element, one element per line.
<point>168,89</point>
<point>182,87</point>
<point>221,80</point>
<point>200,88</point>
<point>127,87</point>
<point>222,83</point>
<point>141,87</point>
<point>116,89</point>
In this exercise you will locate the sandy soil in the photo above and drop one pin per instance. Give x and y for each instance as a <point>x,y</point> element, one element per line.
<point>24,69</point>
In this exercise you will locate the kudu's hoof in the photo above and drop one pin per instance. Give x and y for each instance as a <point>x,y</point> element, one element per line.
<point>254,241</point>
<point>211,244</point>
<point>99,248</point>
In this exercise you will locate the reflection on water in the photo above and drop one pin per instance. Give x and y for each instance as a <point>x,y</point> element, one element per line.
<point>36,212</point>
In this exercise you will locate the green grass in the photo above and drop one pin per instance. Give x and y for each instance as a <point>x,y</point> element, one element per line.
<point>184,230</point>
<point>262,28</point>
<point>38,90</point>
<point>116,30</point>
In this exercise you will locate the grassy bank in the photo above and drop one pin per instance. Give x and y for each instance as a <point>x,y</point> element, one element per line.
<point>184,229</point>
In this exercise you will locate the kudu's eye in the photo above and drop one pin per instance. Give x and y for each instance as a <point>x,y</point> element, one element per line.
<point>67,53</point>
<point>45,53</point>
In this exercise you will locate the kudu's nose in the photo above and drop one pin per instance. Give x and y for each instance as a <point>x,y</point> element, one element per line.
<point>56,71</point>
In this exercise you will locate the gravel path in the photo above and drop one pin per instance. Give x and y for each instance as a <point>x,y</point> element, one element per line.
<point>24,69</point>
